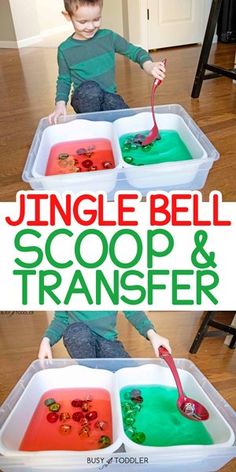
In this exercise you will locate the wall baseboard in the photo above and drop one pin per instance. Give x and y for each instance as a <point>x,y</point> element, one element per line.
<point>8,44</point>
<point>22,43</point>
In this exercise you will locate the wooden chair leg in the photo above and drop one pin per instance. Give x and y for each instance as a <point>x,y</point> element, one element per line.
<point>206,47</point>
<point>232,343</point>
<point>201,332</point>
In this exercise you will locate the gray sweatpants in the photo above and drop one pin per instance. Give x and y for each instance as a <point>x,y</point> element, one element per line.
<point>90,97</point>
<point>82,343</point>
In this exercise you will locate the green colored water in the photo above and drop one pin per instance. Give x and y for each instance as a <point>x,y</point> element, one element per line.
<point>169,148</point>
<point>159,418</point>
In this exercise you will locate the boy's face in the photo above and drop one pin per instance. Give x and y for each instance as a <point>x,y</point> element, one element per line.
<point>86,21</point>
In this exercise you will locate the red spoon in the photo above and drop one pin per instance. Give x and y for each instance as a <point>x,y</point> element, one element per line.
<point>190,408</point>
<point>154,133</point>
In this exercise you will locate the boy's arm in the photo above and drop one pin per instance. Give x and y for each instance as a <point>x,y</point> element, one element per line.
<point>144,326</point>
<point>139,55</point>
<point>63,79</point>
<point>62,89</point>
<point>53,334</point>
<point>140,321</point>
<point>55,330</point>
<point>135,53</point>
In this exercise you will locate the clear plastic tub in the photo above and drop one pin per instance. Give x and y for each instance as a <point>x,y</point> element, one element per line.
<point>197,458</point>
<point>179,175</point>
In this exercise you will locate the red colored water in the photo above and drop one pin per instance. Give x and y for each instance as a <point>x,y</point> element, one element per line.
<point>74,163</point>
<point>44,436</point>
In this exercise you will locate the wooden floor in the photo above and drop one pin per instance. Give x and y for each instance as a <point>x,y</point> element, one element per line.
<point>21,334</point>
<point>27,84</point>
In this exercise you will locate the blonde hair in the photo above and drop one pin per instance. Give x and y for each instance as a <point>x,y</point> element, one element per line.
<point>72,5</point>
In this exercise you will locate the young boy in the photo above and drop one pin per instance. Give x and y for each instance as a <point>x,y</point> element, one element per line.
<point>86,62</point>
<point>91,334</point>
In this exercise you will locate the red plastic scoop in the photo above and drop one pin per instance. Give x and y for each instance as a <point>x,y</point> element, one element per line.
<point>154,133</point>
<point>190,408</point>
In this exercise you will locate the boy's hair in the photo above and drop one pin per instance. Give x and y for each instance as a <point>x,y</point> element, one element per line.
<point>72,5</point>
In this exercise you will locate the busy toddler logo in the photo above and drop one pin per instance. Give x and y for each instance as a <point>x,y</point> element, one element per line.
<point>81,251</point>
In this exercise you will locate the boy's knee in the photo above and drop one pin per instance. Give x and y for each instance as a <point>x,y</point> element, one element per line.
<point>112,101</point>
<point>88,97</point>
<point>89,88</point>
<point>76,330</point>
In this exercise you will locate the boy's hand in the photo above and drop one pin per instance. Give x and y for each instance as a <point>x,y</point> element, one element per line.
<point>45,351</point>
<point>156,69</point>
<point>157,341</point>
<point>60,110</point>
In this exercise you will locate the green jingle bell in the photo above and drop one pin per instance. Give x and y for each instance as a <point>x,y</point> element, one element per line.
<point>130,430</point>
<point>63,155</point>
<point>55,407</point>
<point>126,147</point>
<point>129,420</point>
<point>126,406</point>
<point>137,407</point>
<point>104,441</point>
<point>128,159</point>
<point>147,148</point>
<point>49,401</point>
<point>139,438</point>
<point>130,412</point>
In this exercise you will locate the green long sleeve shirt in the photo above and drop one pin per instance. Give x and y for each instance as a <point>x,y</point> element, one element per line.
<point>102,323</point>
<point>93,59</point>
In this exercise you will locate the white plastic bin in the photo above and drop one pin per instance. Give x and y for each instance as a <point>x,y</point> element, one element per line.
<point>179,175</point>
<point>78,130</point>
<point>70,377</point>
<point>193,459</point>
<point>165,173</point>
<point>220,431</point>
